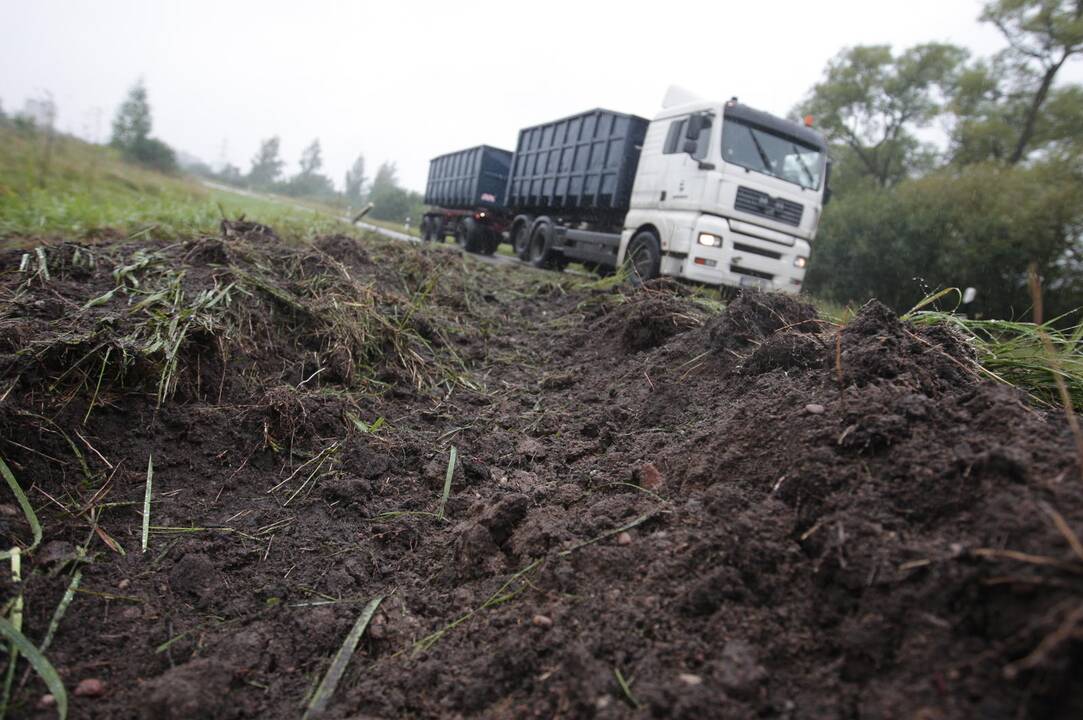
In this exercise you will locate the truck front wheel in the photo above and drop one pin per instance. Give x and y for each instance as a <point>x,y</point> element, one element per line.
<point>643,258</point>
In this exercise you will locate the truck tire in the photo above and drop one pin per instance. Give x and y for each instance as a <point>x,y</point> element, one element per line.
<point>540,251</point>
<point>437,227</point>
<point>519,237</point>
<point>426,229</point>
<point>643,259</point>
<point>473,240</point>
<point>491,242</point>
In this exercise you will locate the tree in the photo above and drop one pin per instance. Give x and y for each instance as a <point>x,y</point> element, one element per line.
<point>389,201</point>
<point>266,165</point>
<point>310,182</point>
<point>131,133</point>
<point>132,123</point>
<point>870,102</point>
<point>1042,35</point>
<point>311,162</point>
<point>355,180</point>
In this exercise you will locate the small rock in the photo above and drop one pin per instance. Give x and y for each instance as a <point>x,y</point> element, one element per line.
<point>690,679</point>
<point>542,621</point>
<point>123,584</point>
<point>46,702</point>
<point>602,702</point>
<point>90,687</point>
<point>624,538</point>
<point>649,477</point>
<point>815,409</point>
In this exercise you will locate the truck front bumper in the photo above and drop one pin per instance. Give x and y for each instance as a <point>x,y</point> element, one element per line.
<point>741,260</point>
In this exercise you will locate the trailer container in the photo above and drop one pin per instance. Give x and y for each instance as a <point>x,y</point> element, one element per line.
<point>585,163</point>
<point>465,190</point>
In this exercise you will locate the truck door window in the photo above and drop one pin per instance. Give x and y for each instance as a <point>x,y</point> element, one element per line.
<point>675,138</point>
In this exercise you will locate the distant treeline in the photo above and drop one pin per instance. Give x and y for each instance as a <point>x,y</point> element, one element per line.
<point>909,216</point>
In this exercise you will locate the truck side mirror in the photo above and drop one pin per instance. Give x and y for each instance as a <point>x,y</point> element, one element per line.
<point>695,127</point>
<point>690,146</point>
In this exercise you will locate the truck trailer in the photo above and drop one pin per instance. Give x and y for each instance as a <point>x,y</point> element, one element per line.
<point>465,192</point>
<point>713,192</point>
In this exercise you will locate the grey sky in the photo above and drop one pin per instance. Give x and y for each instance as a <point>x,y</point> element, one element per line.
<point>405,80</point>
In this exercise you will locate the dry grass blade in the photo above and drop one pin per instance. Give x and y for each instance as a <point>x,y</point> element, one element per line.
<point>24,503</point>
<point>17,624</point>
<point>1065,631</point>
<point>146,501</point>
<point>447,481</point>
<point>338,665</point>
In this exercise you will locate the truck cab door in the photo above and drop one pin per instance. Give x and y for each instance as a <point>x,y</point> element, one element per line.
<point>687,145</point>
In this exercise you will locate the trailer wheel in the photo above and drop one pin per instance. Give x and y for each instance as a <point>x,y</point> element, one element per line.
<point>473,236</point>
<point>540,252</point>
<point>643,258</point>
<point>426,229</point>
<point>490,242</point>
<point>520,236</point>
<point>437,230</point>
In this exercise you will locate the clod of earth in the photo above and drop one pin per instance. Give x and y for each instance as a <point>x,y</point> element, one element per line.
<point>658,509</point>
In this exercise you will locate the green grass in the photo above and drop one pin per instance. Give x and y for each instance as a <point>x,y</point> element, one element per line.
<point>76,190</point>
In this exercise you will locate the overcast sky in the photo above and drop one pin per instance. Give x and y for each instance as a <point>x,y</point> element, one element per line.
<point>405,81</point>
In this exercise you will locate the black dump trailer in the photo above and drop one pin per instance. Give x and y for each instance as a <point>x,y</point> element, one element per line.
<point>465,194</point>
<point>570,188</point>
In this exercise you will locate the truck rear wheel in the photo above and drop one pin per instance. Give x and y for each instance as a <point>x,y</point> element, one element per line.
<point>490,242</point>
<point>520,236</point>
<point>540,251</point>
<point>426,229</point>
<point>643,259</point>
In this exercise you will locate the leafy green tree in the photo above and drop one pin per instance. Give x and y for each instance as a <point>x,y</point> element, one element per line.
<point>869,103</point>
<point>389,201</point>
<point>1043,36</point>
<point>310,182</point>
<point>311,159</point>
<point>266,165</point>
<point>131,133</point>
<point>132,123</point>
<point>355,180</point>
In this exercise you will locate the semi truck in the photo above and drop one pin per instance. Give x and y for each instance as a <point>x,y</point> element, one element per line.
<point>713,192</point>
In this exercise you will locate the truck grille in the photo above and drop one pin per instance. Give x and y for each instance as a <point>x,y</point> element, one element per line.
<point>762,204</point>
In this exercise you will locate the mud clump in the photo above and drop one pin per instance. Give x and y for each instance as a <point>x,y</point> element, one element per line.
<point>197,690</point>
<point>753,316</point>
<point>651,317</point>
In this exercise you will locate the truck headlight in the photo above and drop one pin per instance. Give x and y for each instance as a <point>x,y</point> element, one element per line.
<point>800,261</point>
<point>709,240</point>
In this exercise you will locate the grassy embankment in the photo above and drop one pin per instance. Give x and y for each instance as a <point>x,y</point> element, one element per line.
<point>71,189</point>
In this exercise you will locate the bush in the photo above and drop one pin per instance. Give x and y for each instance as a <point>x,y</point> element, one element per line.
<point>978,226</point>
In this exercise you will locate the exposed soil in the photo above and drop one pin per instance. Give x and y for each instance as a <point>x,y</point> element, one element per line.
<point>750,513</point>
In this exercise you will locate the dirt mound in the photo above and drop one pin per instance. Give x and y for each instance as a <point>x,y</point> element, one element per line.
<point>655,510</point>
<point>753,316</point>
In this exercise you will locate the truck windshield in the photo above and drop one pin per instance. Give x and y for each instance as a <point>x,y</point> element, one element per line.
<point>771,153</point>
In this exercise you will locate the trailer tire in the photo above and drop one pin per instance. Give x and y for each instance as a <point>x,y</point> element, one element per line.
<point>540,251</point>
<point>519,237</point>
<point>473,235</point>
<point>643,257</point>
<point>491,242</point>
<point>426,229</point>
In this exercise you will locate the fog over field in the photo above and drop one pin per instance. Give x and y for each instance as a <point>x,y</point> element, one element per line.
<point>409,80</point>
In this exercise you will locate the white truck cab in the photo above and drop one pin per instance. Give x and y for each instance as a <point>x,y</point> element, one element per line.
<point>725,195</point>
